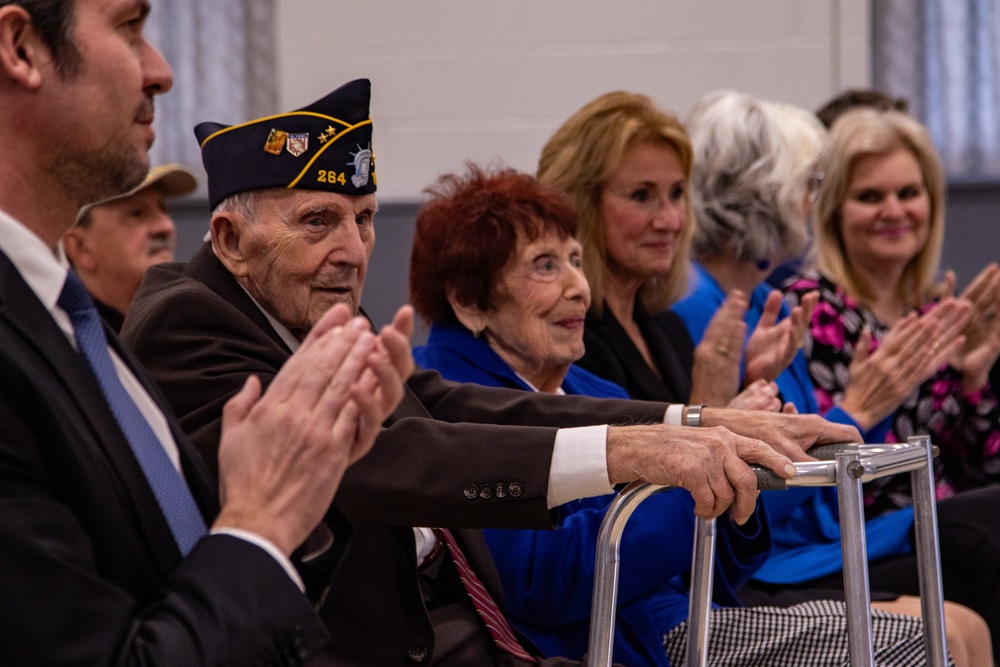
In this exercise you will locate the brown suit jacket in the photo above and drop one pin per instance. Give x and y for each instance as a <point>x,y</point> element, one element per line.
<point>446,457</point>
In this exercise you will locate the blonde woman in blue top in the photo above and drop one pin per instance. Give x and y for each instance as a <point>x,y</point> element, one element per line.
<point>754,161</point>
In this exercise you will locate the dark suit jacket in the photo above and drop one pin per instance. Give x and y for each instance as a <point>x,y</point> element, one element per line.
<point>91,574</point>
<point>612,355</point>
<point>200,335</point>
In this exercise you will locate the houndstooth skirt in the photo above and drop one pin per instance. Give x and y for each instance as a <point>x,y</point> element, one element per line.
<point>811,634</point>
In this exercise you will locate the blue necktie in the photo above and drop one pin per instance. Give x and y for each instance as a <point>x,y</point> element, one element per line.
<point>170,489</point>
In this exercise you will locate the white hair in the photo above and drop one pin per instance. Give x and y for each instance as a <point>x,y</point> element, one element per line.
<point>752,165</point>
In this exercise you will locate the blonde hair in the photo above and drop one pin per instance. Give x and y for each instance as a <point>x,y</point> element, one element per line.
<point>580,158</point>
<point>861,133</point>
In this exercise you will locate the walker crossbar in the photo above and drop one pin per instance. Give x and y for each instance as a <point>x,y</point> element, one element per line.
<point>847,466</point>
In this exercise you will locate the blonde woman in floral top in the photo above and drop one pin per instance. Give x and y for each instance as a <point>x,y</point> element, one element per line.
<point>879,225</point>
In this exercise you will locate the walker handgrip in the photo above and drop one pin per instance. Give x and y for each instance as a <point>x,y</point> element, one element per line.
<point>768,480</point>
<point>829,452</point>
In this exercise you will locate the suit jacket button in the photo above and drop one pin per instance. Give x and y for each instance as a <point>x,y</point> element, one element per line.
<point>471,491</point>
<point>500,490</point>
<point>515,489</point>
<point>486,492</point>
<point>417,654</point>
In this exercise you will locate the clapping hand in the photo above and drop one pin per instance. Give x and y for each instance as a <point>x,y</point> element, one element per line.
<point>913,350</point>
<point>715,376</point>
<point>282,454</point>
<point>982,332</point>
<point>773,344</point>
<point>380,387</point>
<point>758,395</point>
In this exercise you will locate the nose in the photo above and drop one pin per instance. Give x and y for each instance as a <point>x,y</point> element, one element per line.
<point>892,207</point>
<point>157,75</point>
<point>162,225</point>
<point>671,215</point>
<point>347,247</point>
<point>575,285</point>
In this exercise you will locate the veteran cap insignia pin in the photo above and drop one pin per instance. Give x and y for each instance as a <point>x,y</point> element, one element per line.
<point>297,144</point>
<point>275,141</point>
<point>328,134</point>
<point>362,164</point>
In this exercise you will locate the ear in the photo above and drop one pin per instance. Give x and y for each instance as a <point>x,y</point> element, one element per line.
<point>227,229</point>
<point>471,317</point>
<point>78,250</point>
<point>22,52</point>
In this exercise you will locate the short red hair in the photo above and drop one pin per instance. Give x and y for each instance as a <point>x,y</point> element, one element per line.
<point>468,231</point>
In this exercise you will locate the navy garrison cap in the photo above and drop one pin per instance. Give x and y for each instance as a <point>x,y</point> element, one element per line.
<point>324,146</point>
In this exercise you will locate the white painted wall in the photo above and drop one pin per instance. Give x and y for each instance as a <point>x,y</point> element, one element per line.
<point>455,80</point>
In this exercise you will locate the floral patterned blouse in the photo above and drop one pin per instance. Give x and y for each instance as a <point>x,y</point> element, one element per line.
<point>964,426</point>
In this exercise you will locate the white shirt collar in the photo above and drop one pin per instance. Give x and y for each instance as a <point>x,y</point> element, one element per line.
<point>559,390</point>
<point>291,341</point>
<point>43,269</point>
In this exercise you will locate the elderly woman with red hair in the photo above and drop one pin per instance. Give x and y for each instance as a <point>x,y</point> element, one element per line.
<point>497,271</point>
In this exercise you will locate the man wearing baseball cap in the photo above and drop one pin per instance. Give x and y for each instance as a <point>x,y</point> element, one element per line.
<point>114,241</point>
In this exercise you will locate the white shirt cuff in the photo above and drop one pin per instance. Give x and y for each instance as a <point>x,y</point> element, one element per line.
<point>267,546</point>
<point>579,466</point>
<point>675,412</point>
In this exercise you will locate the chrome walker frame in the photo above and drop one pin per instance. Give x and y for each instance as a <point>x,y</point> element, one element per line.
<point>846,466</point>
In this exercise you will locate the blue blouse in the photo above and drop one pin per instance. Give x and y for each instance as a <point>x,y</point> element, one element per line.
<point>548,575</point>
<point>805,521</point>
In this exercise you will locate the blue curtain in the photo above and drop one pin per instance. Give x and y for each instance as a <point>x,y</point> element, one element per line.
<point>944,56</point>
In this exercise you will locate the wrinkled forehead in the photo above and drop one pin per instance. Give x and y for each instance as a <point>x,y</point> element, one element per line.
<point>289,204</point>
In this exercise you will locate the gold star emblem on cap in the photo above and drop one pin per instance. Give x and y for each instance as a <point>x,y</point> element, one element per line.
<point>327,134</point>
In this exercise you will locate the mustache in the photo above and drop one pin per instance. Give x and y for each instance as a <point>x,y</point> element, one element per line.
<point>160,244</point>
<point>145,111</point>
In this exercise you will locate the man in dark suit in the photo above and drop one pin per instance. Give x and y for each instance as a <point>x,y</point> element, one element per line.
<point>291,231</point>
<point>115,547</point>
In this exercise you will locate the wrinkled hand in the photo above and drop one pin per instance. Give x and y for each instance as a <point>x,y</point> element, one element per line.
<point>711,463</point>
<point>789,434</point>
<point>913,350</point>
<point>982,332</point>
<point>759,395</point>
<point>283,453</point>
<point>380,388</point>
<point>773,344</point>
<point>715,375</point>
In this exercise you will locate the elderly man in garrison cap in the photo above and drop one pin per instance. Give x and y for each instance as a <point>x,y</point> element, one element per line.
<point>291,232</point>
<point>117,547</point>
<point>114,241</point>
